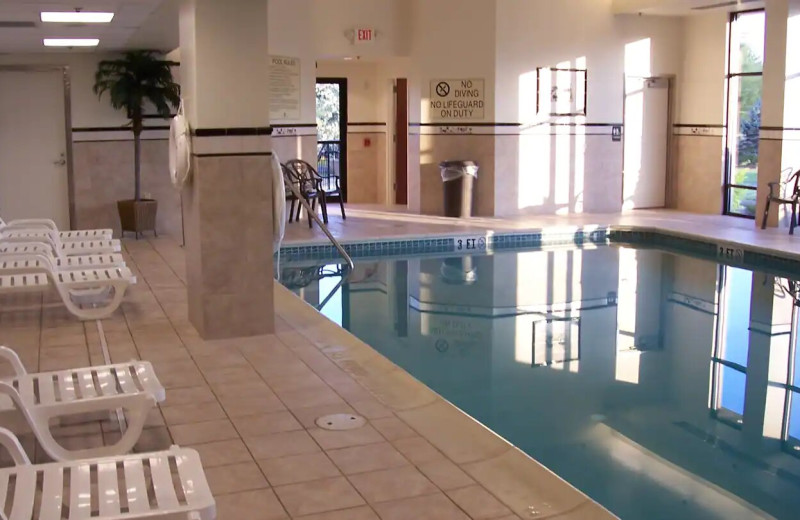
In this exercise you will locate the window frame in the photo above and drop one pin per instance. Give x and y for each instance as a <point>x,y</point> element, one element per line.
<point>728,186</point>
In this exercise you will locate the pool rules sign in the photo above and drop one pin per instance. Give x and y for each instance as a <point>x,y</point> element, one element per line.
<point>457,99</point>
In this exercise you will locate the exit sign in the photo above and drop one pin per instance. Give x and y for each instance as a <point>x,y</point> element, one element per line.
<point>365,35</point>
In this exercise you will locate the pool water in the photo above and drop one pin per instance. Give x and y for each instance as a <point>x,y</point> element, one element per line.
<point>660,385</point>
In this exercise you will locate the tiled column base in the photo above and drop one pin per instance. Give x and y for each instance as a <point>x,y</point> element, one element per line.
<point>698,173</point>
<point>228,213</point>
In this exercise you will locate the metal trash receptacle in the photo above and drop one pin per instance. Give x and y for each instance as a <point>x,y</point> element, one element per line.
<point>459,187</point>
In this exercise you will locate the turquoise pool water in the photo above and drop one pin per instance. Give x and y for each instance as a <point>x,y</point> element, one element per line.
<point>660,385</point>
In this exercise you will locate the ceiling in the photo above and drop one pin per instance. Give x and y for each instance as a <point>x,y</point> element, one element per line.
<point>683,7</point>
<point>142,24</point>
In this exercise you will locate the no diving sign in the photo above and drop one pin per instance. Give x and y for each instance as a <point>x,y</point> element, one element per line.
<point>457,99</point>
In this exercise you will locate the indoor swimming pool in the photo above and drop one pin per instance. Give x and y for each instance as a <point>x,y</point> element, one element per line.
<point>661,385</point>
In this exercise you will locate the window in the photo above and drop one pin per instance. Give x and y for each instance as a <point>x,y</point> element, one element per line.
<point>743,114</point>
<point>729,361</point>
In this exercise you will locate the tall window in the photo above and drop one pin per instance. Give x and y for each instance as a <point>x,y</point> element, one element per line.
<point>745,82</point>
<point>729,363</point>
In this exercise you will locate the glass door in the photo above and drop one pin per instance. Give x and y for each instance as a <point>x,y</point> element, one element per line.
<point>332,133</point>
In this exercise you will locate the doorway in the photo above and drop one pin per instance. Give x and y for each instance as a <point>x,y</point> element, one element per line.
<point>35,157</point>
<point>401,142</point>
<point>332,133</point>
<point>646,131</point>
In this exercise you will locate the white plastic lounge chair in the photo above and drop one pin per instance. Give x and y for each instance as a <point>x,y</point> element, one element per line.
<point>46,226</point>
<point>89,294</point>
<point>132,387</point>
<point>27,258</point>
<point>163,485</point>
<point>62,248</point>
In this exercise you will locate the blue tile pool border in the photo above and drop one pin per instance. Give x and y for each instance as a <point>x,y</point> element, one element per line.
<point>729,253</point>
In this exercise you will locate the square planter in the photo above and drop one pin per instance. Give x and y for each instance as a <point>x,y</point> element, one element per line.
<point>138,216</point>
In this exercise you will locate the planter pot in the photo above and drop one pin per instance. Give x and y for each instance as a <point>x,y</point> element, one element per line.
<point>138,216</point>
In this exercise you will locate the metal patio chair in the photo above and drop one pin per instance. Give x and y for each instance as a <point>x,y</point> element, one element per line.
<point>784,192</point>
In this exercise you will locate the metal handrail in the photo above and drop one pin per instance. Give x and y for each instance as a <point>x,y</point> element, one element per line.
<point>313,214</point>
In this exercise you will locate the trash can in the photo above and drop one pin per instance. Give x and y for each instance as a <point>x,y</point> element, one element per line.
<point>459,183</point>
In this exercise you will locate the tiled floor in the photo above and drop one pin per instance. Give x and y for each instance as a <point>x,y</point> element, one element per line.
<point>366,222</point>
<point>249,405</point>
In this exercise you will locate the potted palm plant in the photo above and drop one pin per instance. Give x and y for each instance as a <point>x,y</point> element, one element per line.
<point>137,79</point>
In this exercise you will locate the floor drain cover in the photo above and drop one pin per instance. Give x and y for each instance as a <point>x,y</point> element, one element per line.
<point>341,421</point>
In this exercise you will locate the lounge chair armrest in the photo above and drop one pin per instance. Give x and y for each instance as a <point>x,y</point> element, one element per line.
<point>10,442</point>
<point>13,359</point>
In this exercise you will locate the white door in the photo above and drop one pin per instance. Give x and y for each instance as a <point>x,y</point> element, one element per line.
<point>646,136</point>
<point>33,166</point>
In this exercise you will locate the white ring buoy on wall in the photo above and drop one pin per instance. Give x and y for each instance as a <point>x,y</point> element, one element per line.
<point>180,149</point>
<point>278,203</point>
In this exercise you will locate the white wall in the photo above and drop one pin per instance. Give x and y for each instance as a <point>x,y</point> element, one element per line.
<point>451,42</point>
<point>363,89</point>
<point>702,78</point>
<point>333,18</point>
<point>285,17</point>
<point>87,110</point>
<point>541,33</point>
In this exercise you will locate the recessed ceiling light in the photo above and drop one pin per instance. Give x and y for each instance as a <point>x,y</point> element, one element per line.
<point>76,17</point>
<point>71,42</point>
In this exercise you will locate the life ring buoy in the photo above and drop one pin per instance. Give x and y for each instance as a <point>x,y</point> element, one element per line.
<point>278,203</point>
<point>180,149</point>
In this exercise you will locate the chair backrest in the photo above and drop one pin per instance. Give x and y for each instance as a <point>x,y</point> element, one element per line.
<point>303,169</point>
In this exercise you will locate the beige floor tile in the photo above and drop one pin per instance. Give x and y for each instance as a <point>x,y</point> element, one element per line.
<point>331,440</point>
<point>282,385</point>
<point>244,406</point>
<point>235,478</point>
<point>372,457</point>
<point>417,450</point>
<point>372,409</point>
<point>392,428</point>
<point>247,388</point>
<point>222,453</point>
<point>458,436</point>
<point>257,425</point>
<point>318,496</point>
<point>392,484</point>
<point>317,396</point>
<point>230,374</point>
<point>152,439</point>
<point>200,433</point>
<point>281,444</point>
<point>192,413</point>
<point>519,482</point>
<point>430,507</point>
<point>298,468</point>
<point>358,513</point>
<point>445,474</point>
<point>189,395</point>
<point>308,416</point>
<point>261,504</point>
<point>478,503</point>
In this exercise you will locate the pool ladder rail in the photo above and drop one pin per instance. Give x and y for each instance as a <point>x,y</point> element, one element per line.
<point>336,243</point>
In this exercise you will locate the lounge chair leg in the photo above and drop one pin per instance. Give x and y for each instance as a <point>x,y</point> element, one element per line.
<point>291,211</point>
<point>314,210</point>
<point>341,205</point>
<point>793,223</point>
<point>766,214</point>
